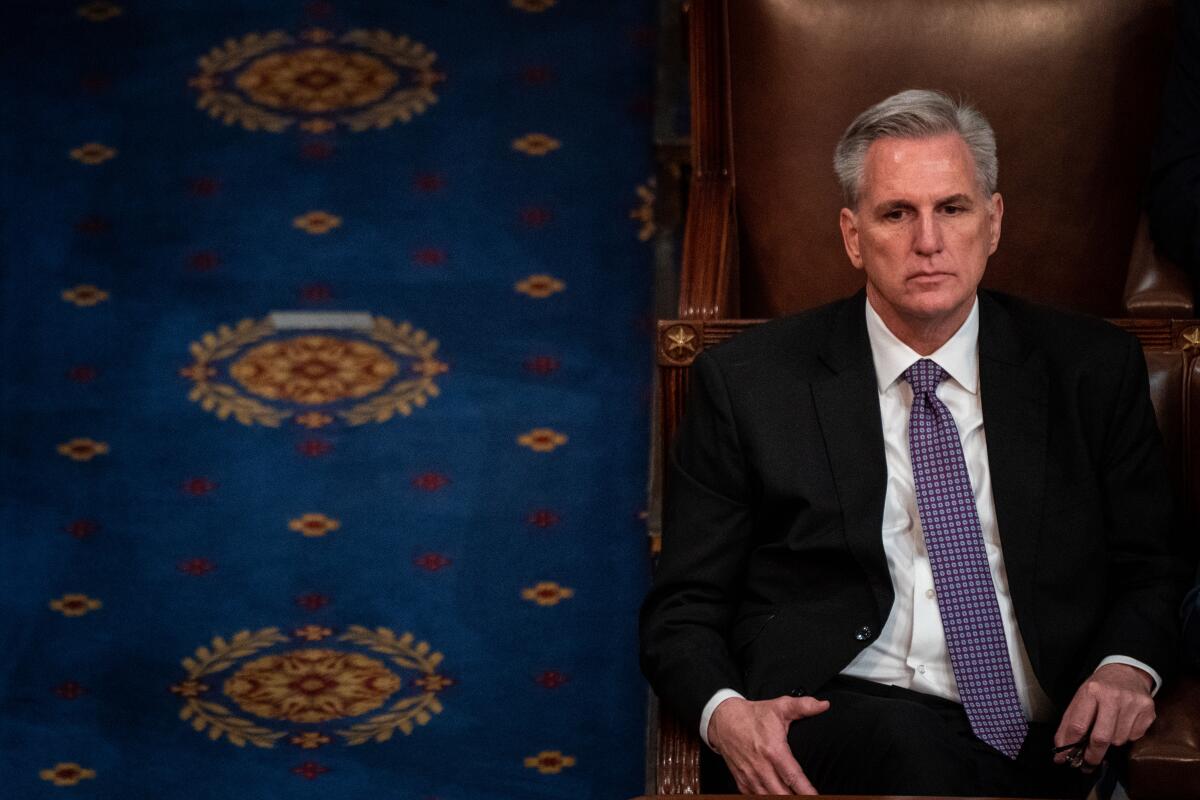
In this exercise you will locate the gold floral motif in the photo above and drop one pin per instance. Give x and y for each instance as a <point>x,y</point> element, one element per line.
<point>222,398</point>
<point>536,144</point>
<point>434,683</point>
<point>214,718</point>
<point>316,36</point>
<point>189,688</point>
<point>549,762</point>
<point>408,712</point>
<point>539,286</point>
<point>312,685</point>
<point>312,633</point>
<point>644,211</point>
<point>316,80</point>
<point>93,153</point>
<point>317,126</point>
<point>75,605</point>
<point>364,79</point>
<point>314,370</point>
<point>403,340</point>
<point>542,440</point>
<point>309,740</point>
<point>547,593</point>
<point>84,295</point>
<point>317,222</point>
<point>82,449</point>
<point>66,773</point>
<point>314,525</point>
<point>314,419</point>
<point>532,6</point>
<point>431,368</point>
<point>1191,337</point>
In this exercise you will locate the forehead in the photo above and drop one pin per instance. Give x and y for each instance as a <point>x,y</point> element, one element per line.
<point>937,165</point>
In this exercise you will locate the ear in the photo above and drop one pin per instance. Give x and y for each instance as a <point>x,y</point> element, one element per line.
<point>849,223</point>
<point>994,222</point>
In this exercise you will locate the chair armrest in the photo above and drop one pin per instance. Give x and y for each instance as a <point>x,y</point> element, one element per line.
<point>1165,763</point>
<point>708,279</point>
<point>1156,286</point>
<point>677,751</point>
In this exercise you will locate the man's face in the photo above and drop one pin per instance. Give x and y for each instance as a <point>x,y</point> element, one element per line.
<point>922,231</point>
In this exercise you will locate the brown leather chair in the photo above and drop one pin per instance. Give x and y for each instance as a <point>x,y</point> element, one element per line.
<point>1071,87</point>
<point>1165,765</point>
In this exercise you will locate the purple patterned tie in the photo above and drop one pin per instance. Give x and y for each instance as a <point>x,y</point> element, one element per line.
<point>961,577</point>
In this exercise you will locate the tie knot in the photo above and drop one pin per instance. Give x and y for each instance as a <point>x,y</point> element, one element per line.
<point>924,376</point>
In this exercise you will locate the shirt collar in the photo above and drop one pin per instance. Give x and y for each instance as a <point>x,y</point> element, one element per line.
<point>959,356</point>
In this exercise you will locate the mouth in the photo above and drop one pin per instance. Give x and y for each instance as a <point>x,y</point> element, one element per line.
<point>930,278</point>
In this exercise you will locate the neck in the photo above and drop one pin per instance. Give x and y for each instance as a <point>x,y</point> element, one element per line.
<point>924,336</point>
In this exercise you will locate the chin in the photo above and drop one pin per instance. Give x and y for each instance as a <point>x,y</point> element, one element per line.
<point>932,309</point>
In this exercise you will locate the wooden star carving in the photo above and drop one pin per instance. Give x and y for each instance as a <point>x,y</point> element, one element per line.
<point>680,342</point>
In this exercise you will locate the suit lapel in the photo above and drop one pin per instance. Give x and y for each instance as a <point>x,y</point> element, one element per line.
<point>847,406</point>
<point>1013,383</point>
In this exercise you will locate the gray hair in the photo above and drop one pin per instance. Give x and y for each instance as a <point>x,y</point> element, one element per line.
<point>914,114</point>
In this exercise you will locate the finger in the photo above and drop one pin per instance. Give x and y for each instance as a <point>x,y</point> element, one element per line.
<point>1142,723</point>
<point>799,784</point>
<point>1127,716</point>
<point>808,707</point>
<point>772,782</point>
<point>759,777</point>
<point>748,783</point>
<point>1102,733</point>
<point>790,773</point>
<point>1076,722</point>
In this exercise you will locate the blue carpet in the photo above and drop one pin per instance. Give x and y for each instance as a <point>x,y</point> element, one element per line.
<point>325,388</point>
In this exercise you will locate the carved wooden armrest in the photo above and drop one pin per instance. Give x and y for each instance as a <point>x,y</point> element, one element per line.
<point>678,756</point>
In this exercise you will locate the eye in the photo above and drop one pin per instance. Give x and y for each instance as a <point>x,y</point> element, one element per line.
<point>895,215</point>
<point>952,210</point>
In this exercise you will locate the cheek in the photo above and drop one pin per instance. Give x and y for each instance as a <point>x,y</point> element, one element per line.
<point>890,243</point>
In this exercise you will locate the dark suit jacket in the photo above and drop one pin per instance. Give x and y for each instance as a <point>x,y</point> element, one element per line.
<point>772,575</point>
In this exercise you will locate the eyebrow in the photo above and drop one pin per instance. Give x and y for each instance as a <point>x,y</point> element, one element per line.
<point>954,199</point>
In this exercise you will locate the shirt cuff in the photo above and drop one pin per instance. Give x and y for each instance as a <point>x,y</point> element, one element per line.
<point>711,706</point>
<point>1132,662</point>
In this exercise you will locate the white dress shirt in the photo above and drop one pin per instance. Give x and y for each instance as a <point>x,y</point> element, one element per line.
<point>910,651</point>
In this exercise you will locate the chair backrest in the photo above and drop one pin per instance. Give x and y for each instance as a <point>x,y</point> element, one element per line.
<point>1172,349</point>
<point>1070,86</point>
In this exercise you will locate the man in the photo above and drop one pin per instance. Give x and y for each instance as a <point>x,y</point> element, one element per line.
<point>865,589</point>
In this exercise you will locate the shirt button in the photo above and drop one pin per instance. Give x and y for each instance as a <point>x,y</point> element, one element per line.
<point>864,633</point>
<point>929,593</point>
<point>921,668</point>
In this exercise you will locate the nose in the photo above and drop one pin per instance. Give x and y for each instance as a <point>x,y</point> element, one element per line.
<point>928,236</point>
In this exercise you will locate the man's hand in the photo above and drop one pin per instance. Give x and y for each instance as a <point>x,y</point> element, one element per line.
<point>1114,704</point>
<point>752,738</point>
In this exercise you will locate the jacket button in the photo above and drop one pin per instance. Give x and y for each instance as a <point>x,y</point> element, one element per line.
<point>864,633</point>
<point>799,691</point>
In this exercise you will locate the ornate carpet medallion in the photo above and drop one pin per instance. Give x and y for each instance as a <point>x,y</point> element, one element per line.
<point>311,694</point>
<point>318,81</point>
<point>260,375</point>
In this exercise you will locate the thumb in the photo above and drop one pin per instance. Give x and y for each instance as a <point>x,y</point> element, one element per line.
<point>801,707</point>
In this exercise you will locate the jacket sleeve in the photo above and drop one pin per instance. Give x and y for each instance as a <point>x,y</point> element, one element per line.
<point>686,617</point>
